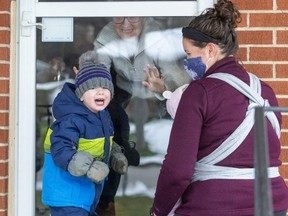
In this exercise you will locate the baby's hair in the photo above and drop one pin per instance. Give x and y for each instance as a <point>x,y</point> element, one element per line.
<point>219,23</point>
<point>88,57</point>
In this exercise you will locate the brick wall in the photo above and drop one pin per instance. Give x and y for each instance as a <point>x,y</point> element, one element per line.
<point>263,37</point>
<point>4,102</point>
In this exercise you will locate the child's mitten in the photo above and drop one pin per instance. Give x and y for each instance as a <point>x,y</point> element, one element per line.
<point>98,171</point>
<point>118,161</point>
<point>80,163</point>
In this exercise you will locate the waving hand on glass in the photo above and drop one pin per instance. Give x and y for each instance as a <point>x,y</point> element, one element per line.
<point>154,82</point>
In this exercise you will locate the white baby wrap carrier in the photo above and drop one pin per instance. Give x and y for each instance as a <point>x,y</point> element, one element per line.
<point>205,168</point>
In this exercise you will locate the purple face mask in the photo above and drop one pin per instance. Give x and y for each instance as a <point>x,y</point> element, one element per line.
<point>195,67</point>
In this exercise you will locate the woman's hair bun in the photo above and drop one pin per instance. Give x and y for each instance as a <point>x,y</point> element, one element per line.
<point>227,12</point>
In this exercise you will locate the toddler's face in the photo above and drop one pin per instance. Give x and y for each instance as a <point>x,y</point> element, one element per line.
<point>96,99</point>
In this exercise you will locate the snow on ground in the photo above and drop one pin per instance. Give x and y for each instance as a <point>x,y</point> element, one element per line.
<point>156,134</point>
<point>136,188</point>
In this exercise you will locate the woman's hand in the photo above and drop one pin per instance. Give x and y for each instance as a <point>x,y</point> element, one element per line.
<point>75,69</point>
<point>154,82</point>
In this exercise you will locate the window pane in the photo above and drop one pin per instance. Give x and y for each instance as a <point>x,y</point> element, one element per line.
<point>103,0</point>
<point>125,45</point>
<point>159,43</point>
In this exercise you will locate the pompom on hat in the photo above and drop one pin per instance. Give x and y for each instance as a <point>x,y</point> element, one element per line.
<point>91,76</point>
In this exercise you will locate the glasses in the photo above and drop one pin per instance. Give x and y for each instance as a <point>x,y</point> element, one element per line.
<point>119,20</point>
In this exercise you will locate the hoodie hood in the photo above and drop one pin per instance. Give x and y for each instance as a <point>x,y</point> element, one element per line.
<point>67,103</point>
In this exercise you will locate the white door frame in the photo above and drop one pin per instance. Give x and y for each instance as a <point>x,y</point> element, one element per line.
<point>24,172</point>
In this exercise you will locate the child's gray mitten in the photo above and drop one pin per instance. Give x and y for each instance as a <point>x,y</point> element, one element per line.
<point>98,171</point>
<point>118,161</point>
<point>80,163</point>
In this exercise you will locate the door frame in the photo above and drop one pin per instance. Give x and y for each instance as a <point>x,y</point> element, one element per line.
<point>22,173</point>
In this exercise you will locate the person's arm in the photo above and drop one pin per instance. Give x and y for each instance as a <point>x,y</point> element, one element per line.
<point>178,166</point>
<point>170,77</point>
<point>169,61</point>
<point>103,54</point>
<point>64,142</point>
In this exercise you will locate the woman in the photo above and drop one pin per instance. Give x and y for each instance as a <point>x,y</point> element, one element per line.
<point>126,46</point>
<point>197,175</point>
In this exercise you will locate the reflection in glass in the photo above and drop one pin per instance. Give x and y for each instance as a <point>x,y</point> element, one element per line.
<point>125,45</point>
<point>119,20</point>
<point>103,0</point>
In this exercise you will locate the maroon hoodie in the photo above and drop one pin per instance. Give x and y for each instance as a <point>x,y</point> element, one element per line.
<point>209,111</point>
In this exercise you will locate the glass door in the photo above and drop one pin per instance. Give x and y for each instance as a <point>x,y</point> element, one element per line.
<point>52,36</point>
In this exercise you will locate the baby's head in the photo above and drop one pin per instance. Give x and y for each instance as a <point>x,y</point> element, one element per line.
<point>94,85</point>
<point>173,99</point>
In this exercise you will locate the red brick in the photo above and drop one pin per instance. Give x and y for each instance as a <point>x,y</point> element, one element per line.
<point>284,155</point>
<point>4,86</point>
<point>4,20</point>
<point>284,138</point>
<point>3,136</point>
<point>260,70</point>
<point>255,37</point>
<point>4,70</point>
<point>4,37</point>
<point>242,54</point>
<point>279,87</point>
<point>253,5</point>
<point>284,171</point>
<point>283,102</point>
<point>4,103</point>
<point>269,54</point>
<point>3,153</point>
<point>3,185</point>
<point>3,169</point>
<point>5,5</point>
<point>268,19</point>
<point>244,22</point>
<point>282,4</point>
<point>3,202</point>
<point>4,213</point>
<point>282,37</point>
<point>4,53</point>
<point>4,119</point>
<point>285,122</point>
<point>282,70</point>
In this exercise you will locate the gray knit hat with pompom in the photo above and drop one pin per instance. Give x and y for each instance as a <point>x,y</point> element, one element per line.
<point>92,74</point>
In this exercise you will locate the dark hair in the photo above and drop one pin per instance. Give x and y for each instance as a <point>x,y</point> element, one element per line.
<point>219,23</point>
